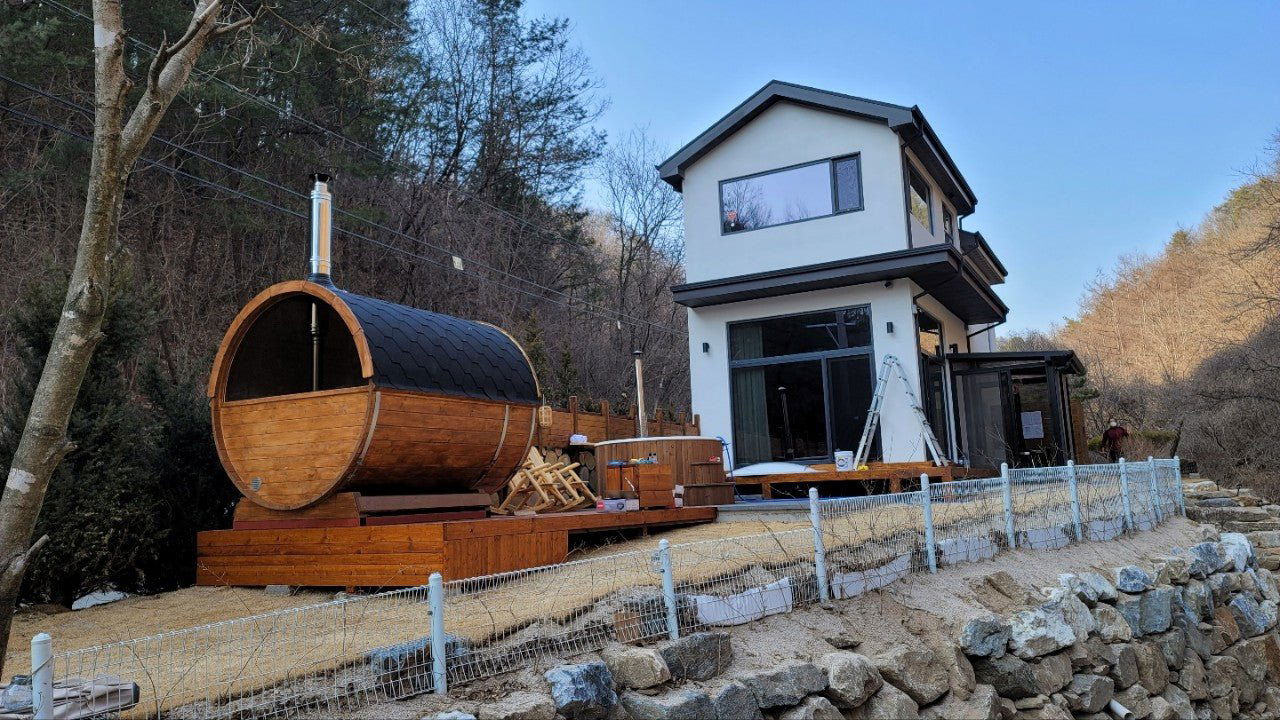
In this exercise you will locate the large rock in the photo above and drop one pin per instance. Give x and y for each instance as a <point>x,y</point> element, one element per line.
<point>1136,699</point>
<point>1104,588</point>
<point>1221,516</point>
<point>1156,610</point>
<point>1249,616</point>
<point>1172,570</point>
<point>1253,664</point>
<point>982,704</point>
<point>889,703</point>
<point>1124,665</point>
<point>959,671</point>
<point>698,656</point>
<point>1173,646</point>
<point>1179,701</point>
<point>453,715</point>
<point>1083,591</point>
<point>813,708</point>
<point>851,678</point>
<point>519,706</point>
<point>985,636</point>
<point>735,701</point>
<point>582,692</point>
<point>1222,672</point>
<point>1011,676</point>
<point>786,685</point>
<point>1039,631</point>
<point>678,705</point>
<point>1238,550</point>
<point>1192,677</point>
<point>1153,674</point>
<point>916,671</point>
<point>1266,583</point>
<point>1052,673</point>
<point>1133,579</point>
<point>1111,625</point>
<point>637,668</point>
<point>1089,693</point>
<point>1130,608</point>
<point>1198,599</point>
<point>1210,553</point>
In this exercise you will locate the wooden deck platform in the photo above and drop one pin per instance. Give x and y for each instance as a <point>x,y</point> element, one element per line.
<point>891,475</point>
<point>386,556</point>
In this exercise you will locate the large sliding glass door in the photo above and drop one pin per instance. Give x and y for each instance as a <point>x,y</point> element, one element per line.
<point>1012,415</point>
<point>800,384</point>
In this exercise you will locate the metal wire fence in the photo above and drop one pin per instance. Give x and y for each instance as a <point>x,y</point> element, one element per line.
<point>321,660</point>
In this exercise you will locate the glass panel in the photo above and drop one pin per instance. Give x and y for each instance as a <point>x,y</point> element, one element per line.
<point>1036,425</point>
<point>848,184</point>
<point>919,197</point>
<point>778,197</point>
<point>935,400</point>
<point>792,334</point>
<point>982,419</point>
<point>778,413</point>
<point>930,334</point>
<point>852,385</point>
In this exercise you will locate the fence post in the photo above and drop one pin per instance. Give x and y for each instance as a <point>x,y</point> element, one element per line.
<point>1073,485</point>
<point>435,598</point>
<point>1124,496</point>
<point>926,499</point>
<point>1155,490</point>
<point>1177,479</point>
<point>42,677</point>
<point>819,548</point>
<point>1008,505</point>
<point>668,588</point>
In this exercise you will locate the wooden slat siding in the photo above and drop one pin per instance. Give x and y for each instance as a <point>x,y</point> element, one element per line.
<point>287,524</point>
<point>397,503</point>
<point>342,505</point>
<point>425,517</point>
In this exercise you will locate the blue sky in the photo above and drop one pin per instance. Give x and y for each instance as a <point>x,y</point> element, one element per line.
<point>1088,129</point>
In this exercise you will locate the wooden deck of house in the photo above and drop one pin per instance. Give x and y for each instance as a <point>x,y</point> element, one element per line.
<point>405,555</point>
<point>878,478</point>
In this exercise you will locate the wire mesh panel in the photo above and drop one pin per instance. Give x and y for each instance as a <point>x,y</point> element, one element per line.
<point>1168,480</point>
<point>968,518</point>
<point>872,541</point>
<point>1101,501</point>
<point>322,658</point>
<point>722,583</point>
<point>1042,517</point>
<point>503,622</point>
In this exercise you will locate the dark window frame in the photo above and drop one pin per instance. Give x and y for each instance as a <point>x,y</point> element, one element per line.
<point>821,356</point>
<point>948,225</point>
<point>831,177</point>
<point>913,172</point>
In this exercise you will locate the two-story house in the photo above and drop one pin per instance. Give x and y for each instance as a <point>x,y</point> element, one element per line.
<point>823,232</point>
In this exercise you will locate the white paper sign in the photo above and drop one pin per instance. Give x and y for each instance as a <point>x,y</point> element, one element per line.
<point>1032,425</point>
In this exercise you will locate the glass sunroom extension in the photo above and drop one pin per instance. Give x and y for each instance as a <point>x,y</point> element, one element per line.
<point>800,384</point>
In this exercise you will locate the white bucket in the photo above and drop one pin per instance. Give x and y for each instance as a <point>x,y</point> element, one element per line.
<point>844,460</point>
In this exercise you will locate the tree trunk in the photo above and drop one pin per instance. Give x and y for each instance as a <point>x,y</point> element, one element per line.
<point>116,147</point>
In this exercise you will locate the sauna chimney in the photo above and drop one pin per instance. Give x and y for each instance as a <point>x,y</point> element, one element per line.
<point>321,229</point>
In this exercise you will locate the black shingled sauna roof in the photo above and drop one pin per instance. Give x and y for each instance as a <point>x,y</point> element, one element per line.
<point>428,352</point>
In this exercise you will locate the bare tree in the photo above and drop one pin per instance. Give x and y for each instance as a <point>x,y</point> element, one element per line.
<point>119,137</point>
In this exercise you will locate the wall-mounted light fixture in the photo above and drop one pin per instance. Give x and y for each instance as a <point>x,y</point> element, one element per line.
<point>706,347</point>
<point>953,348</point>
<point>888,327</point>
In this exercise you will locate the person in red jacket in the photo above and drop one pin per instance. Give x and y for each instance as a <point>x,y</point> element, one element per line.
<point>1113,440</point>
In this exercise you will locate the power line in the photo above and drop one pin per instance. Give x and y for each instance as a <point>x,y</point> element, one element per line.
<point>569,299</point>
<point>413,170</point>
<point>584,307</point>
<point>619,317</point>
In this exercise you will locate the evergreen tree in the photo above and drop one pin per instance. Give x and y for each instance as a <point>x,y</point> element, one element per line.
<point>102,513</point>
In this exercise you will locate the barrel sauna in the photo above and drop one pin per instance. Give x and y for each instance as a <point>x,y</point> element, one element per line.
<point>316,390</point>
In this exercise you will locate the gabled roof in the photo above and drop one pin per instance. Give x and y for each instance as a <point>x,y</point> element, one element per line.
<point>908,122</point>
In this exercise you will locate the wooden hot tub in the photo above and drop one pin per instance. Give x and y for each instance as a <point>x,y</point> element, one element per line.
<point>681,452</point>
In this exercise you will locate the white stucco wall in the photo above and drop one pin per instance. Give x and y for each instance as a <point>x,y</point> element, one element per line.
<point>901,439</point>
<point>920,235</point>
<point>785,135</point>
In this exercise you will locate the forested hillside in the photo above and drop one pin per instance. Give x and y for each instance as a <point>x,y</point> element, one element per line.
<point>1185,345</point>
<point>459,134</point>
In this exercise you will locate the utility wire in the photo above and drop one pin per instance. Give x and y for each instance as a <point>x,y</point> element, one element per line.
<point>618,317</point>
<point>285,112</point>
<point>585,307</point>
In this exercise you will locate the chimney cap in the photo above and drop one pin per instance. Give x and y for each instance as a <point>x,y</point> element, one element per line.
<point>321,177</point>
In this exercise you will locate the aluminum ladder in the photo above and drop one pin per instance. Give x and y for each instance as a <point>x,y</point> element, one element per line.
<point>873,415</point>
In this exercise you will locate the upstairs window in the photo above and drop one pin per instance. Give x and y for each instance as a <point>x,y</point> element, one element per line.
<point>918,198</point>
<point>803,192</point>
<point>948,225</point>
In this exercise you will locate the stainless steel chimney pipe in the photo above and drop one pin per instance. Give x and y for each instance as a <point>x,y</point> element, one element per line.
<point>321,226</point>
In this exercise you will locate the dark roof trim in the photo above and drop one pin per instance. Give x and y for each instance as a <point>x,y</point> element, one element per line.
<point>1064,360</point>
<point>977,251</point>
<point>909,122</point>
<point>938,269</point>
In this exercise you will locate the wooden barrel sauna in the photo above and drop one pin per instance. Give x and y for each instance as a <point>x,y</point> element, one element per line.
<point>316,390</point>
<point>678,451</point>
